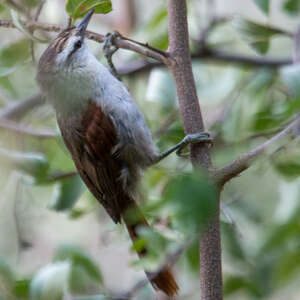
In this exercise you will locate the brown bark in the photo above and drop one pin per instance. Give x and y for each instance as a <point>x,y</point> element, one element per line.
<point>210,262</point>
<point>181,67</point>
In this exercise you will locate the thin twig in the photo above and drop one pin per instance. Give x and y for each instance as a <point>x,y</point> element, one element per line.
<point>18,109</point>
<point>245,160</point>
<point>69,23</point>
<point>146,45</point>
<point>222,56</point>
<point>36,17</point>
<point>61,176</point>
<point>25,130</point>
<point>39,10</point>
<point>296,45</point>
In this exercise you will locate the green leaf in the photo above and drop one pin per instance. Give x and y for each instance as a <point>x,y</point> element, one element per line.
<point>232,241</point>
<point>67,192</point>
<point>21,288</point>
<point>31,3</point>
<point>51,282</point>
<point>287,162</point>
<point>233,284</point>
<point>78,257</point>
<point>2,8</point>
<point>14,54</point>
<point>280,236</point>
<point>193,199</point>
<point>6,278</point>
<point>33,164</point>
<point>292,7</point>
<point>289,169</point>
<point>57,154</point>
<point>158,18</point>
<point>78,8</point>
<point>256,35</point>
<point>156,30</point>
<point>264,5</point>
<point>288,265</point>
<point>192,256</point>
<point>154,242</point>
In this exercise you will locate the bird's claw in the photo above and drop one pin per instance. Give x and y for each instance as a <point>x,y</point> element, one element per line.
<point>109,49</point>
<point>193,138</point>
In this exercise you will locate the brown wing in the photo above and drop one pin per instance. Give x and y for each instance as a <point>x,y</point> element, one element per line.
<point>91,140</point>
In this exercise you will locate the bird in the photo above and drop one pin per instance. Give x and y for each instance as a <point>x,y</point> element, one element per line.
<point>104,131</point>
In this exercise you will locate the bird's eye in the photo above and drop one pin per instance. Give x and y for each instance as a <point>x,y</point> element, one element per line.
<point>78,44</point>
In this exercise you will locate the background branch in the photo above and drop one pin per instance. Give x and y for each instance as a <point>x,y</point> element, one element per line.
<point>209,55</point>
<point>245,160</point>
<point>25,130</point>
<point>18,109</point>
<point>222,56</point>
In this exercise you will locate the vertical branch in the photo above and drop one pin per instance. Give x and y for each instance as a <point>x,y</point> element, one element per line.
<point>211,262</point>
<point>180,65</point>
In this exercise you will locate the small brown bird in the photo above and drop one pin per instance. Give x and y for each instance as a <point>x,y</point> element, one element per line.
<point>103,129</point>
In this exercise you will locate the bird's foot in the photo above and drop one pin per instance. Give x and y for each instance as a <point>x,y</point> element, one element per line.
<point>109,49</point>
<point>200,137</point>
<point>193,138</point>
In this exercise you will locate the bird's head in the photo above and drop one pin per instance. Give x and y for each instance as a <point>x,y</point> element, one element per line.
<point>67,68</point>
<point>68,50</point>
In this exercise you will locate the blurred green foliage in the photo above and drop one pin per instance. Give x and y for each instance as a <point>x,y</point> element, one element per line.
<point>264,5</point>
<point>243,106</point>
<point>78,8</point>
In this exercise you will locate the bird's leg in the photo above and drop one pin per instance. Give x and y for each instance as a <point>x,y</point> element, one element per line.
<point>109,50</point>
<point>200,137</point>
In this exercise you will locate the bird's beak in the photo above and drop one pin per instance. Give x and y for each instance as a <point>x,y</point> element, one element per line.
<point>82,26</point>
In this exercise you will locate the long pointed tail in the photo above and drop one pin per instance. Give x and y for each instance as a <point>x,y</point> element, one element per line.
<point>164,280</point>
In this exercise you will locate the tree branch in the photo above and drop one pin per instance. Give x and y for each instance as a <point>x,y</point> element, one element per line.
<point>245,160</point>
<point>209,55</point>
<point>180,65</point>
<point>221,56</point>
<point>25,130</point>
<point>18,109</point>
<point>124,43</point>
